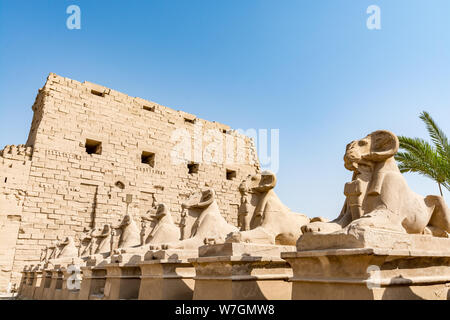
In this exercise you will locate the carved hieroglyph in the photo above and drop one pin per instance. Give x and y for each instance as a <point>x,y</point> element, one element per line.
<point>275,223</point>
<point>209,225</point>
<point>379,197</point>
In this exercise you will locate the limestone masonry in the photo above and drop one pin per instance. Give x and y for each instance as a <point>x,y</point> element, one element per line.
<point>94,154</point>
<point>115,197</point>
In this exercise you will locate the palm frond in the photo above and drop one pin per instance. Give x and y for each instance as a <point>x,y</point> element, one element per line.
<point>419,156</point>
<point>438,136</point>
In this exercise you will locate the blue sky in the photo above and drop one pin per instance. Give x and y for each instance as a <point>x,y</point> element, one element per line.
<point>311,69</point>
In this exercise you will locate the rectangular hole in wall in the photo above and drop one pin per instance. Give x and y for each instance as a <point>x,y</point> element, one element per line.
<point>97,93</point>
<point>231,174</point>
<point>148,158</point>
<point>193,167</point>
<point>148,108</point>
<point>93,147</point>
<point>192,121</point>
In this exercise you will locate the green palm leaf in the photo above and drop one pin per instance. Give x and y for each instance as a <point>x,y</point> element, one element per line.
<point>419,156</point>
<point>438,136</point>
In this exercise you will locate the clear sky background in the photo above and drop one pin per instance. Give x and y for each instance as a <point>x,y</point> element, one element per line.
<point>309,68</point>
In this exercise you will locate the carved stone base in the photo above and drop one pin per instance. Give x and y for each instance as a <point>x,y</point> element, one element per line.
<point>408,267</point>
<point>92,283</point>
<point>71,280</point>
<point>241,271</point>
<point>45,281</point>
<point>97,259</point>
<point>27,283</point>
<point>122,281</point>
<point>131,255</point>
<point>167,275</point>
<point>52,282</point>
<point>352,238</point>
<point>49,281</point>
<point>37,281</point>
<point>66,261</point>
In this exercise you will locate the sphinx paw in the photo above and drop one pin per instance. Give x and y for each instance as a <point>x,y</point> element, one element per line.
<point>320,227</point>
<point>234,237</point>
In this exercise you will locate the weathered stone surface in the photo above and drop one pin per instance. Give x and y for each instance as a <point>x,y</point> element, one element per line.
<point>387,243</point>
<point>263,218</point>
<point>357,237</point>
<point>171,254</point>
<point>379,197</point>
<point>209,226</point>
<point>238,271</point>
<point>167,279</point>
<point>90,149</point>
<point>370,274</point>
<point>122,281</point>
<point>243,250</point>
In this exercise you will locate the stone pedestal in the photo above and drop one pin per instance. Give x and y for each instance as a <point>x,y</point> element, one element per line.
<point>86,282</point>
<point>37,282</point>
<point>167,275</point>
<point>71,285</point>
<point>133,255</point>
<point>57,284</point>
<point>92,283</point>
<point>93,277</point>
<point>23,282</point>
<point>45,284</point>
<point>241,271</point>
<point>122,281</point>
<point>128,258</point>
<point>51,282</point>
<point>26,282</point>
<point>370,265</point>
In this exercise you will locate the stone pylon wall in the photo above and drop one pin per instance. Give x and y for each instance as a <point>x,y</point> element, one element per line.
<point>15,167</point>
<point>68,190</point>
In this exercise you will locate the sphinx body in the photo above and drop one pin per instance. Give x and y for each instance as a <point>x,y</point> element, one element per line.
<point>164,231</point>
<point>209,224</point>
<point>129,233</point>
<point>98,241</point>
<point>104,240</point>
<point>272,221</point>
<point>68,249</point>
<point>52,251</point>
<point>379,197</point>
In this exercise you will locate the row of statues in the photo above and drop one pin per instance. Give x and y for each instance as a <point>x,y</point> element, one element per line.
<point>377,197</point>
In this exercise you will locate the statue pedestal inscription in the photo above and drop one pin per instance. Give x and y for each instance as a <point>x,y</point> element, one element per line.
<point>371,265</point>
<point>242,271</point>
